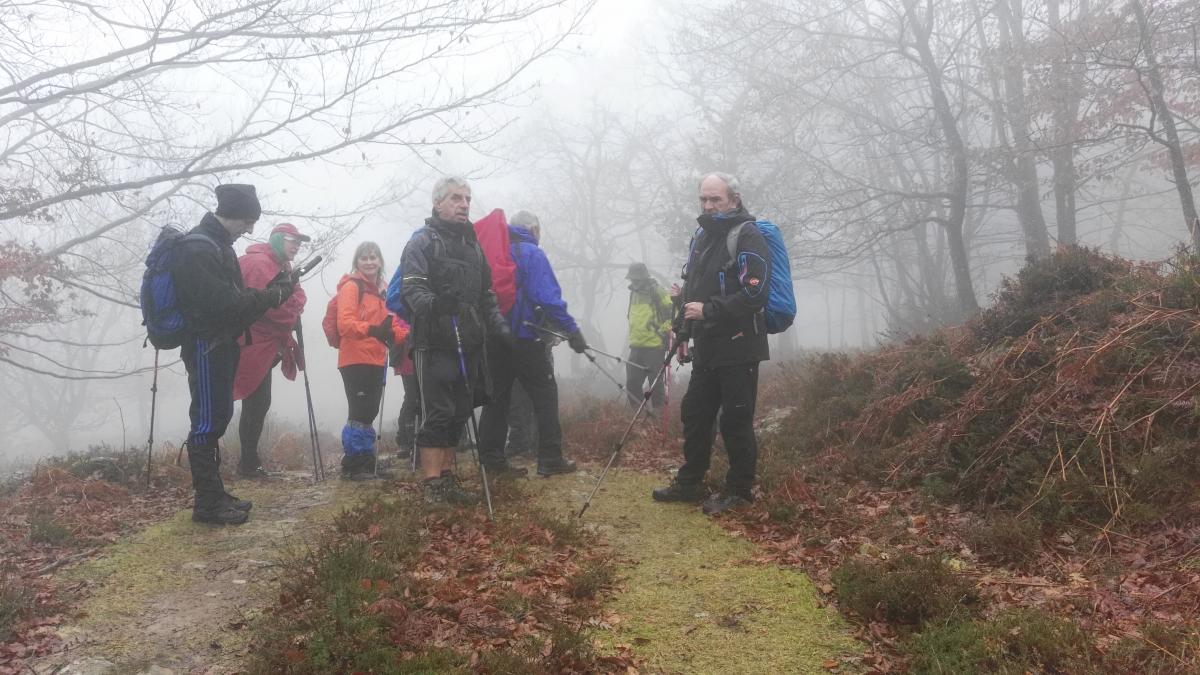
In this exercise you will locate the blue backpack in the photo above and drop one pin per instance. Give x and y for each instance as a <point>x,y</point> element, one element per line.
<point>394,300</point>
<point>161,314</point>
<point>780,310</point>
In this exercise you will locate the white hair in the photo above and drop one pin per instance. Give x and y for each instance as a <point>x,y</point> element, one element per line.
<point>446,184</point>
<point>525,219</point>
<point>731,183</point>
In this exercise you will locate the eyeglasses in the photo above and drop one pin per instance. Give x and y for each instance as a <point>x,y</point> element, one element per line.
<point>293,240</point>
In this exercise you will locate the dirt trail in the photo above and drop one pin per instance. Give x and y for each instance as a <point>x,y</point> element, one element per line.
<point>177,597</point>
<point>693,602</point>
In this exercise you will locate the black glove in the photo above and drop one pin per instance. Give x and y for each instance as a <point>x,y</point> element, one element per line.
<point>383,332</point>
<point>576,342</point>
<point>280,289</point>
<point>446,303</point>
<point>504,336</point>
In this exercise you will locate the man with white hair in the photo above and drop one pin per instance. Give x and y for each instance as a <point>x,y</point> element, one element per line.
<point>538,302</point>
<point>447,291</point>
<point>725,290</point>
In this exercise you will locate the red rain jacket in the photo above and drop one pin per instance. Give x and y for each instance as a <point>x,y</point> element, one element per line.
<point>271,335</point>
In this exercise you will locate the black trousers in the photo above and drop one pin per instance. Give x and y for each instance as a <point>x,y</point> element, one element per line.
<point>446,403</point>
<point>636,378</point>
<point>211,366</point>
<point>734,391</point>
<point>364,388</point>
<point>522,424</point>
<point>250,426</point>
<point>406,432</point>
<point>528,361</point>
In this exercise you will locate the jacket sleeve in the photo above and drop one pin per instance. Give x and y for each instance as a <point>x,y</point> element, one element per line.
<point>489,309</point>
<point>753,270</point>
<point>668,309</point>
<point>417,289</point>
<point>202,284</point>
<point>348,310</point>
<point>543,290</point>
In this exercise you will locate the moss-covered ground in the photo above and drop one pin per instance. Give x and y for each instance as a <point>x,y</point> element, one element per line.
<point>692,599</point>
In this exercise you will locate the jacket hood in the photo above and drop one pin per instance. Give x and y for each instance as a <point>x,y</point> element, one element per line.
<point>518,233</point>
<point>262,249</point>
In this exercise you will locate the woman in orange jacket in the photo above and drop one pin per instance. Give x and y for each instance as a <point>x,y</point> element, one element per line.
<point>366,330</point>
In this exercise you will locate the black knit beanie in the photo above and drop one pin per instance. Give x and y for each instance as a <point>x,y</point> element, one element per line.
<point>238,201</point>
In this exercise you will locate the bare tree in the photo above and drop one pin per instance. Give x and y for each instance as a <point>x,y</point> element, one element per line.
<point>128,129</point>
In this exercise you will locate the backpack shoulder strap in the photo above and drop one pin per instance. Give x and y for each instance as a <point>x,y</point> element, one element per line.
<point>197,236</point>
<point>731,239</point>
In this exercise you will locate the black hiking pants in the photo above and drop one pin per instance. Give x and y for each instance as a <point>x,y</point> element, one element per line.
<point>446,403</point>
<point>528,361</point>
<point>406,431</point>
<point>733,390</point>
<point>250,426</point>
<point>211,366</point>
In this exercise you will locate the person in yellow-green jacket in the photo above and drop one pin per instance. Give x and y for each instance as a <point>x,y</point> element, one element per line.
<point>649,325</point>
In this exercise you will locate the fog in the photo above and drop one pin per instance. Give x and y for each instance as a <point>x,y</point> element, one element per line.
<point>913,153</point>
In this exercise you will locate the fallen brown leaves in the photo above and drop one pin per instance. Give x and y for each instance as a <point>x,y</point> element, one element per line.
<point>56,519</point>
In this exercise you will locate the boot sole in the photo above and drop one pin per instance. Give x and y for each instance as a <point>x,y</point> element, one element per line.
<point>220,521</point>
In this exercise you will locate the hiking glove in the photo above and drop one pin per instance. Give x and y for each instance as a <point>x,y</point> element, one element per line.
<point>505,336</point>
<point>280,289</point>
<point>383,332</point>
<point>576,342</point>
<point>445,303</point>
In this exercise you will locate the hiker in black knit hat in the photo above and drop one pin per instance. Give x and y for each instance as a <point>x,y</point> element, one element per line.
<point>218,308</point>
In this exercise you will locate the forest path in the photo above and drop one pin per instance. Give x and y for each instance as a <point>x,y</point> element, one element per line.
<point>691,600</point>
<point>179,596</point>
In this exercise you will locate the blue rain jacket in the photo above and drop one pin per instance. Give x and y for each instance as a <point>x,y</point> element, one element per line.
<point>538,293</point>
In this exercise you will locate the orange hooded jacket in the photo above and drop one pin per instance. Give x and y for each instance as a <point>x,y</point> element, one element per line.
<point>355,317</point>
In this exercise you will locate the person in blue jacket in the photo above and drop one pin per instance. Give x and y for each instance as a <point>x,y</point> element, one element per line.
<point>539,301</point>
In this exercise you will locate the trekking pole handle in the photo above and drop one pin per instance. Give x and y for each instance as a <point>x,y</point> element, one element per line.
<point>301,271</point>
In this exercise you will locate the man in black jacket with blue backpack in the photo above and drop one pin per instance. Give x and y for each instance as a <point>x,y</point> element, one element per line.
<point>726,285</point>
<point>217,308</point>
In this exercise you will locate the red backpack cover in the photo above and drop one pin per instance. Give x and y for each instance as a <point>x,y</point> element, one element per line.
<point>492,233</point>
<point>329,322</point>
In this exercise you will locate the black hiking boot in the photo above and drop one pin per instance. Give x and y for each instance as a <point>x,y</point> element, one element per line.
<point>433,493</point>
<point>254,473</point>
<point>722,503</point>
<point>505,470</point>
<point>555,468</point>
<point>455,493</point>
<point>239,504</point>
<point>692,493</point>
<point>221,514</point>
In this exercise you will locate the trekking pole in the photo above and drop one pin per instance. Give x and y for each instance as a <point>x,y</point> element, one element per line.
<point>318,465</point>
<point>620,385</point>
<point>679,339</point>
<point>382,398</point>
<point>462,366</point>
<point>564,338</point>
<point>153,404</point>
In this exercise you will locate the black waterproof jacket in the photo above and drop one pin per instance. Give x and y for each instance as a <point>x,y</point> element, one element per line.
<point>734,292</point>
<point>208,284</point>
<point>445,256</point>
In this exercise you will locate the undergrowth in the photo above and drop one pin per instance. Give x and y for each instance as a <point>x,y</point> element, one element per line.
<point>396,588</point>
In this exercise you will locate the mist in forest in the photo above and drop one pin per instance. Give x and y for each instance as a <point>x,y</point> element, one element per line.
<point>913,154</point>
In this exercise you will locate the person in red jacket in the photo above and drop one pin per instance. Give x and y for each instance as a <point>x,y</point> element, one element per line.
<point>367,330</point>
<point>271,341</point>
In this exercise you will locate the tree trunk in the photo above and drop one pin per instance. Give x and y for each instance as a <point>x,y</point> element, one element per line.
<point>956,148</point>
<point>1065,78</point>
<point>1158,102</point>
<point>1025,178</point>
